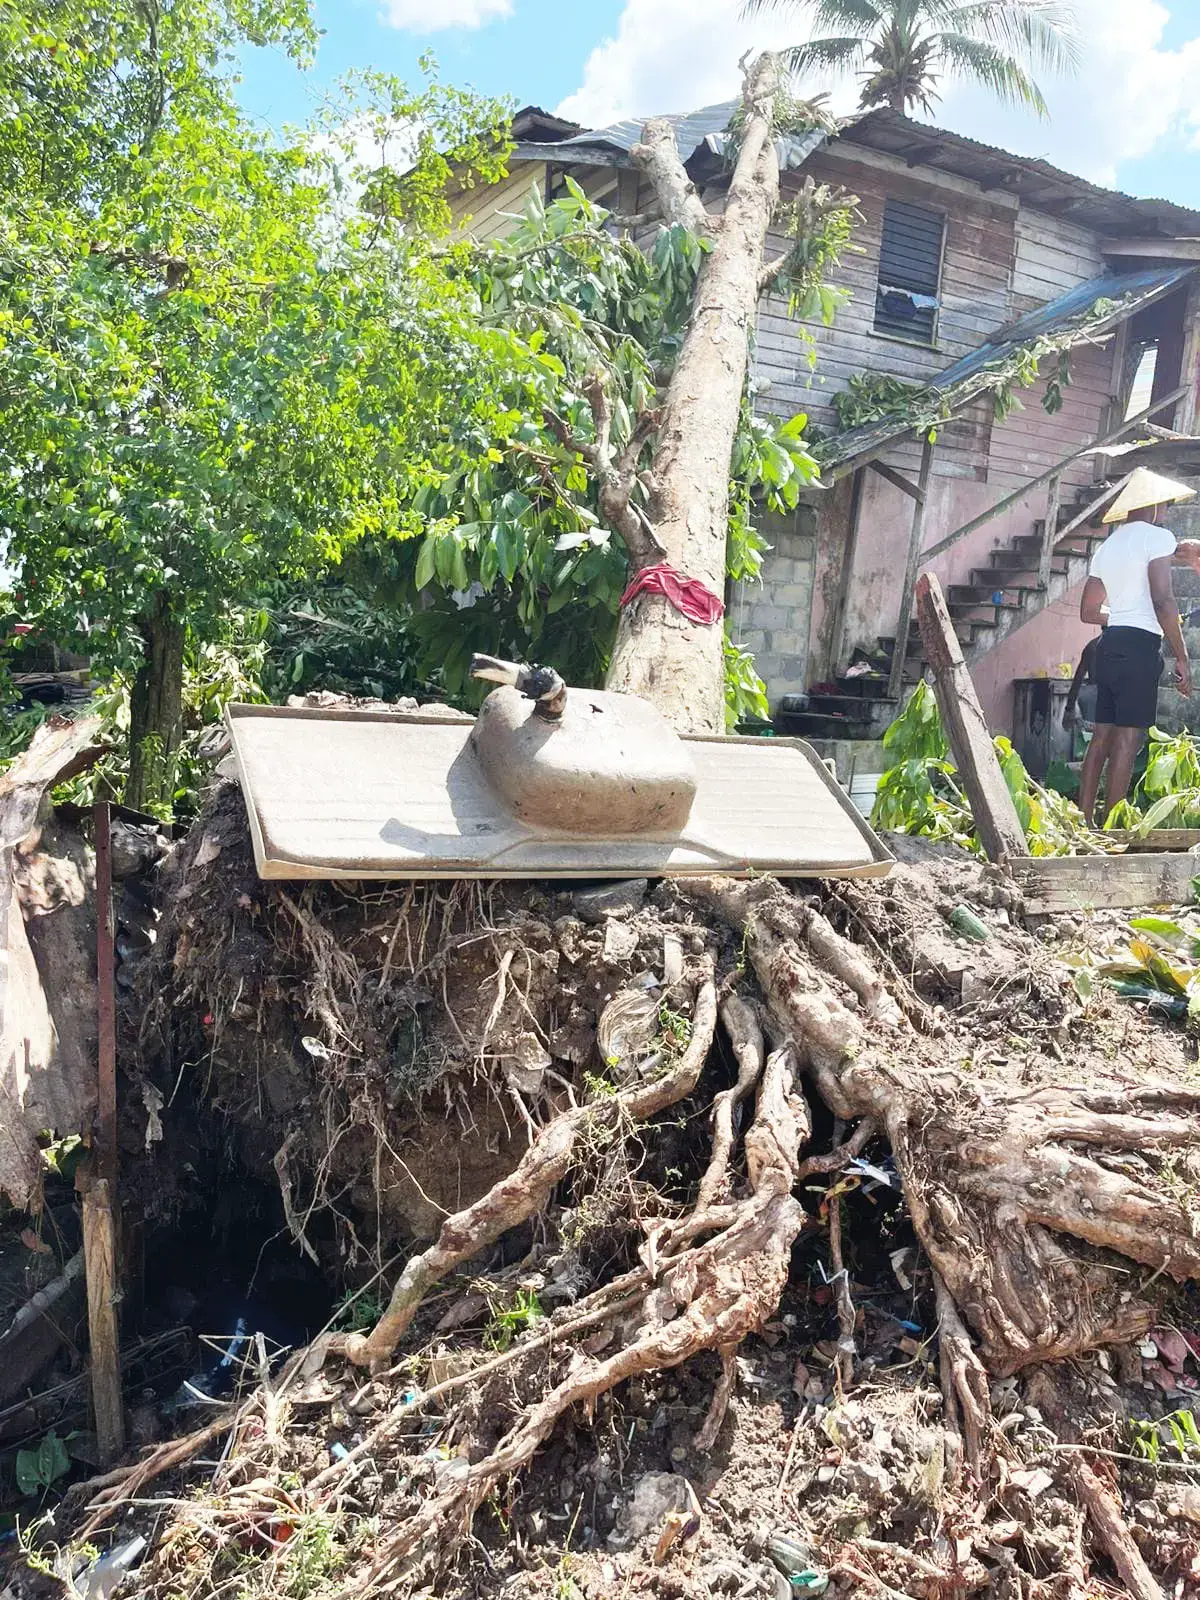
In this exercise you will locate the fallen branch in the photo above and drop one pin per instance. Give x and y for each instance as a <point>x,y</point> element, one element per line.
<point>1113,1531</point>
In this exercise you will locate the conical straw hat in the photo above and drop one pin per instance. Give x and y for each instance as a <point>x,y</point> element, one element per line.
<point>1146,488</point>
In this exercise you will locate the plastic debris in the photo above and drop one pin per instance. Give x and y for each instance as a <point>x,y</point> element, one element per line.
<point>102,1578</point>
<point>794,1562</point>
<point>963,920</point>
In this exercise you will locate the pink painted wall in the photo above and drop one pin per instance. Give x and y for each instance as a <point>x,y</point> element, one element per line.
<point>978,462</point>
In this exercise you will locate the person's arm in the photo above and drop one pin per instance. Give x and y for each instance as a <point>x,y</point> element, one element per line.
<point>1167,612</point>
<point>1092,602</point>
<point>1187,554</point>
<point>1081,672</point>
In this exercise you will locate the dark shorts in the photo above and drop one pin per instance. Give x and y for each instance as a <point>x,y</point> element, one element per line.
<point>1129,667</point>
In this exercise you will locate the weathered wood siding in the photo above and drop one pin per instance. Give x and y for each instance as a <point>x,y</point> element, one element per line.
<point>1052,256</point>
<point>976,291</point>
<point>488,213</point>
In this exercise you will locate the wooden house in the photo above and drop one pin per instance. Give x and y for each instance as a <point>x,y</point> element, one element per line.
<point>969,262</point>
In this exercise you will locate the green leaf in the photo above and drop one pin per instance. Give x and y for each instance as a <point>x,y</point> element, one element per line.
<point>426,563</point>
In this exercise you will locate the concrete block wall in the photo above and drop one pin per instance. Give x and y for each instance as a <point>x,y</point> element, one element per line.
<point>771,618</point>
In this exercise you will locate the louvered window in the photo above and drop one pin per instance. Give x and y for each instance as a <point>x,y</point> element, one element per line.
<point>910,269</point>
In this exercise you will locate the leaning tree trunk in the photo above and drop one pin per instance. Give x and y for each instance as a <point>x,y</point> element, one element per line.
<point>675,663</point>
<point>156,708</point>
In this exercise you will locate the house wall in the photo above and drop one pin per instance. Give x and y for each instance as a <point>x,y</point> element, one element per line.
<point>771,617</point>
<point>1000,261</point>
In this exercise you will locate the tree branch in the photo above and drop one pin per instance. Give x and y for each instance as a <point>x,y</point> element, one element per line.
<point>658,157</point>
<point>770,274</point>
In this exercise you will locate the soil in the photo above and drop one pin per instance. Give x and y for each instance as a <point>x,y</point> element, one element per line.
<point>346,1065</point>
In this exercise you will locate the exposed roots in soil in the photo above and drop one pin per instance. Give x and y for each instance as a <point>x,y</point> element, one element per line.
<point>654,1158</point>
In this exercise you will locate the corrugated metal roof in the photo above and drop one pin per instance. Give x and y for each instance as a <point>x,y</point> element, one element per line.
<point>694,131</point>
<point>975,373</point>
<point>946,151</point>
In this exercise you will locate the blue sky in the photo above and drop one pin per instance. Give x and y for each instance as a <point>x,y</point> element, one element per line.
<point>1131,118</point>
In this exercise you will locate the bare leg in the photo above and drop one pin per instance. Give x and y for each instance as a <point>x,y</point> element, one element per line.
<point>1126,743</point>
<point>1099,751</point>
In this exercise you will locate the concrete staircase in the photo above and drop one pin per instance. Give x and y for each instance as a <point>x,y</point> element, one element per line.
<point>1000,598</point>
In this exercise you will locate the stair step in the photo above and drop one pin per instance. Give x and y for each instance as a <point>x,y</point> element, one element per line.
<point>868,686</point>
<point>962,594</point>
<point>817,725</point>
<point>853,707</point>
<point>981,574</point>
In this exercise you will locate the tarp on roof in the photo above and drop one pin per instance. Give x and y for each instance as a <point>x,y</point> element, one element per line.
<point>1083,307</point>
<point>694,131</point>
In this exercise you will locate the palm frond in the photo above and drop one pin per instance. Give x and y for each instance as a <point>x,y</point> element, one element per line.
<point>824,55</point>
<point>860,16</point>
<point>986,63</point>
<point>1041,32</point>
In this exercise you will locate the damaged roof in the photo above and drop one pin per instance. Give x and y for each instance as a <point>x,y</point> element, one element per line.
<point>1089,309</point>
<point>701,138</point>
<point>697,134</point>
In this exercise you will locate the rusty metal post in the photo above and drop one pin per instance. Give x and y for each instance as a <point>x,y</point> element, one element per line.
<point>106,1000</point>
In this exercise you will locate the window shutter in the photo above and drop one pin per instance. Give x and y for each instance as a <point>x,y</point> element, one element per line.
<point>910,265</point>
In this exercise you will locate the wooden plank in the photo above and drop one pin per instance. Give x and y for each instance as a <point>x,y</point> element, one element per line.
<point>991,804</point>
<point>1055,884</point>
<point>897,480</point>
<point>1049,532</point>
<point>1160,839</point>
<point>900,651</point>
<point>100,1265</point>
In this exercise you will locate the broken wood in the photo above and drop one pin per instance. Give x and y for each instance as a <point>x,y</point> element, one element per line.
<point>1113,1532</point>
<point>1053,884</point>
<point>103,1293</point>
<point>991,804</point>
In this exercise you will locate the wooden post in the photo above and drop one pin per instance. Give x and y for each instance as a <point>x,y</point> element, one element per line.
<point>837,633</point>
<point>100,1265</point>
<point>1050,532</point>
<point>106,1096</point>
<point>896,680</point>
<point>962,716</point>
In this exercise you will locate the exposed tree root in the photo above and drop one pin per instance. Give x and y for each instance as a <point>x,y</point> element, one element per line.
<point>525,1191</point>
<point>1022,1200</point>
<point>997,1185</point>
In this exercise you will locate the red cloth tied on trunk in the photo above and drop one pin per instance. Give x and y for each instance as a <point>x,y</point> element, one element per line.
<point>694,599</point>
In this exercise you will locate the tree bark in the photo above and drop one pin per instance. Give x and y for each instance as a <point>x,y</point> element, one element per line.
<point>676,664</point>
<point>156,708</point>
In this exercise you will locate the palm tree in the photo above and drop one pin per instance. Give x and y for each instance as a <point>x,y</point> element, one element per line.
<point>902,49</point>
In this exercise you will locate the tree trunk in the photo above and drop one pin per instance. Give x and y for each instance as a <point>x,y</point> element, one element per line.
<point>677,664</point>
<point>156,708</point>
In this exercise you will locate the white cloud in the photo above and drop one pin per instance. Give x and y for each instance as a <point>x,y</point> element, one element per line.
<point>1131,92</point>
<point>671,55</point>
<point>428,16</point>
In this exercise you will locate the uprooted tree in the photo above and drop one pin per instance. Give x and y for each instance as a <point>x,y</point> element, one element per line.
<point>1047,1212</point>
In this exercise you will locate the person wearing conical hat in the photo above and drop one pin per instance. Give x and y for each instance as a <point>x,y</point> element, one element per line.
<point>1129,593</point>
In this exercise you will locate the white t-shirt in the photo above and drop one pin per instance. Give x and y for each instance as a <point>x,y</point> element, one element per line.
<point>1122,564</point>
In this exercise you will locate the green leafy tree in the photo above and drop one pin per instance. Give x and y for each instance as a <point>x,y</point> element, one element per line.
<point>901,50</point>
<point>210,381</point>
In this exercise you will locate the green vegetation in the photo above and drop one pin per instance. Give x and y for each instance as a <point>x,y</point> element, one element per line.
<point>921,793</point>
